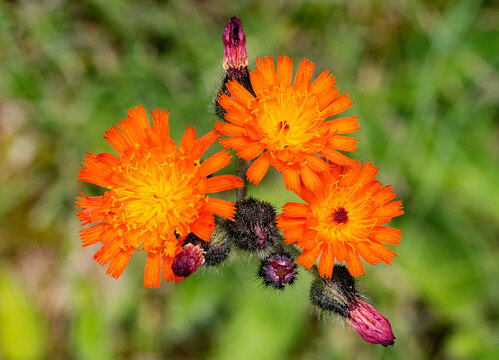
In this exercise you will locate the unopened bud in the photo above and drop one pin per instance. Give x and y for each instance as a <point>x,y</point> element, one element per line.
<point>235,61</point>
<point>335,293</point>
<point>188,260</point>
<point>278,270</point>
<point>234,39</point>
<point>218,248</point>
<point>338,294</point>
<point>370,324</point>
<point>254,227</point>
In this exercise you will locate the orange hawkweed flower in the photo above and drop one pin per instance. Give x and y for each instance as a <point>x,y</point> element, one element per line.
<point>157,194</point>
<point>285,125</point>
<point>343,220</point>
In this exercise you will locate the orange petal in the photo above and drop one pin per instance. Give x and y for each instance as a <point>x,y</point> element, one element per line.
<point>286,222</point>
<point>368,172</point>
<point>251,151</point>
<point>215,163</point>
<point>107,252</point>
<point>160,124</point>
<point>204,143</point>
<point>187,142</point>
<point>296,209</point>
<point>239,92</point>
<point>117,140</point>
<point>230,129</point>
<point>293,234</point>
<point>335,156</point>
<point>236,112</point>
<point>339,250</point>
<point>222,183</point>
<point>343,125</point>
<point>237,142</point>
<point>310,179</point>
<point>389,211</point>
<point>340,104</point>
<point>384,195</point>
<point>267,69</point>
<point>119,263</point>
<point>303,75</point>
<point>354,264</point>
<point>204,226</point>
<point>364,250</point>
<point>382,252</point>
<point>135,126</point>
<point>351,174</point>
<point>202,231</point>
<point>343,143</point>
<point>258,169</point>
<point>284,71</point>
<point>92,234</point>
<point>306,194</point>
<point>326,262</point>
<point>92,209</point>
<point>221,208</point>
<point>316,163</point>
<point>323,85</point>
<point>99,169</point>
<point>308,257</point>
<point>291,179</point>
<point>152,274</point>
<point>386,235</point>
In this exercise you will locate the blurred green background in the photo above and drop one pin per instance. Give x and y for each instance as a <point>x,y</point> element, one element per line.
<point>423,77</point>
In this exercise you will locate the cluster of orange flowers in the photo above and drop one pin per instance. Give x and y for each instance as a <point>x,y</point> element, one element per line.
<point>157,191</point>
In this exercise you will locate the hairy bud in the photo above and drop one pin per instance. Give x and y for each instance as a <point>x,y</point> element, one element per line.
<point>254,227</point>
<point>217,249</point>
<point>335,294</point>
<point>235,61</point>
<point>277,270</point>
<point>338,294</point>
<point>188,260</point>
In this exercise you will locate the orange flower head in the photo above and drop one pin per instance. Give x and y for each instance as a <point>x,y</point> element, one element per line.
<point>344,220</point>
<point>157,194</point>
<point>285,125</point>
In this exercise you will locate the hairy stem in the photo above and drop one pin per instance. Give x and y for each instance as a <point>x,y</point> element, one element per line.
<point>242,167</point>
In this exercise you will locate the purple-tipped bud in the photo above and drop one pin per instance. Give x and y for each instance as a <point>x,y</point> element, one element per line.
<point>235,56</point>
<point>188,260</point>
<point>370,324</point>
<point>235,61</point>
<point>338,294</point>
<point>278,270</point>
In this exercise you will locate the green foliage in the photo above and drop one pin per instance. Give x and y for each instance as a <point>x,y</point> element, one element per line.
<point>423,78</point>
<point>22,330</point>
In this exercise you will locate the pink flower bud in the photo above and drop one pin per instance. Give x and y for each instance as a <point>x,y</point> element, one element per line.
<point>370,324</point>
<point>235,56</point>
<point>188,260</point>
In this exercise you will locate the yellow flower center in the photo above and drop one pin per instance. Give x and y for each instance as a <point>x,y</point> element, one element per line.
<point>288,118</point>
<point>344,216</point>
<point>161,193</point>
